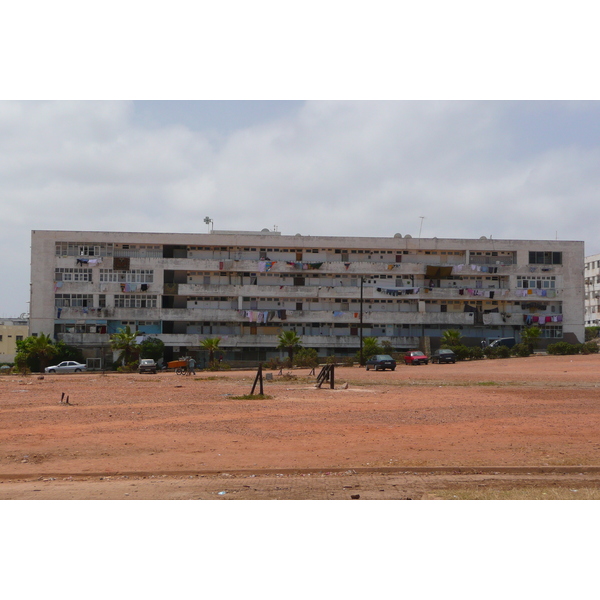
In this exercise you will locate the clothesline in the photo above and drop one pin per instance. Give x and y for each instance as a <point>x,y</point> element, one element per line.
<point>92,262</point>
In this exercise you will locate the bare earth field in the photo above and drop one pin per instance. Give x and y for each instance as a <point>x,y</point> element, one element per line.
<point>474,429</point>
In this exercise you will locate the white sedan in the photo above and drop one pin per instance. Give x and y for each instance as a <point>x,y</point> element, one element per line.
<point>67,366</point>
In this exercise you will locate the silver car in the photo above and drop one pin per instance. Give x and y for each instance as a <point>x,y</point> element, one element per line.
<point>67,366</point>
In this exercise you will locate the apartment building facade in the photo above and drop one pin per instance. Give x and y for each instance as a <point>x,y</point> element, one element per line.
<point>247,287</point>
<point>592,290</point>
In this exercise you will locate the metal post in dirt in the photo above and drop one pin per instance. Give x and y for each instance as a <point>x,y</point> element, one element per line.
<point>258,378</point>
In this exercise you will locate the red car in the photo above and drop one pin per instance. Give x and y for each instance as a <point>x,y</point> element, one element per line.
<point>415,357</point>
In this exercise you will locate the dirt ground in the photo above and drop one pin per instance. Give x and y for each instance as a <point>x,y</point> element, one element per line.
<point>405,434</point>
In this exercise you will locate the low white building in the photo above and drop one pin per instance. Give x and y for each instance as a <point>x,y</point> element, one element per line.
<point>11,331</point>
<point>247,287</point>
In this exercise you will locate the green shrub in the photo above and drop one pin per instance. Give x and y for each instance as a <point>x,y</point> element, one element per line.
<point>476,353</point>
<point>331,360</point>
<point>564,348</point>
<point>503,352</point>
<point>521,350</point>
<point>348,361</point>
<point>589,348</point>
<point>491,352</point>
<point>306,357</point>
<point>462,352</point>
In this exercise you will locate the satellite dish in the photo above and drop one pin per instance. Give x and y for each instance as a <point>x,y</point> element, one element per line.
<point>265,230</point>
<point>483,237</point>
<point>397,235</point>
<point>408,236</point>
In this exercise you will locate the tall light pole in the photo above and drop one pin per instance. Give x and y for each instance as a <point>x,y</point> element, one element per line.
<point>360,332</point>
<point>208,222</point>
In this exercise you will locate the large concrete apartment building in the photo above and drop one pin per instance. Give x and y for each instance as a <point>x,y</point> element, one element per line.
<point>246,287</point>
<point>592,290</point>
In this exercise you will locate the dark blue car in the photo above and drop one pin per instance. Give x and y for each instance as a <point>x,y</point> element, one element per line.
<point>381,362</point>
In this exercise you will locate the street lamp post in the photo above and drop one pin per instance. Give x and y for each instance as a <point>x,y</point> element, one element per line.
<point>360,332</point>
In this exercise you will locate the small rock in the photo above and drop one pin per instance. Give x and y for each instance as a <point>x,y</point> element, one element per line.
<point>355,496</point>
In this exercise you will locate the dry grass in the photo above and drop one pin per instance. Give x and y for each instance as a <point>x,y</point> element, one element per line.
<point>518,493</point>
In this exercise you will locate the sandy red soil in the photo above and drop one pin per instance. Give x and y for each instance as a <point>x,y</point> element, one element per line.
<point>533,412</point>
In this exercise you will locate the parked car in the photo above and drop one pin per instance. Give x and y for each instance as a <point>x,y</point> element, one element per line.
<point>381,362</point>
<point>147,365</point>
<point>416,357</point>
<point>66,366</point>
<point>443,355</point>
<point>508,342</point>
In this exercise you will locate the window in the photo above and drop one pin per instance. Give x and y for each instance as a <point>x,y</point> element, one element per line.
<point>135,301</point>
<point>69,300</point>
<point>133,276</point>
<point>545,258</point>
<point>19,338</point>
<point>89,250</point>
<point>540,283</point>
<point>66,274</point>
<point>85,249</point>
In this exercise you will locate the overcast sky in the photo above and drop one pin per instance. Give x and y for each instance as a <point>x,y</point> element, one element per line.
<point>523,169</point>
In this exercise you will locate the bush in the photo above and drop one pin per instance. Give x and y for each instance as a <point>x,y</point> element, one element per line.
<point>521,350</point>
<point>503,352</point>
<point>216,365</point>
<point>274,364</point>
<point>306,357</point>
<point>128,368</point>
<point>152,347</point>
<point>476,353</point>
<point>564,348</point>
<point>591,333</point>
<point>331,360</point>
<point>491,352</point>
<point>387,347</point>
<point>348,362</point>
<point>462,352</point>
<point>589,348</point>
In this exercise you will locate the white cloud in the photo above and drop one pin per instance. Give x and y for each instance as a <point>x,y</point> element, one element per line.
<point>341,168</point>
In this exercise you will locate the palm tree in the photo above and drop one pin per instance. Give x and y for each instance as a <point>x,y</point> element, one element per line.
<point>211,345</point>
<point>451,337</point>
<point>124,340</point>
<point>371,347</point>
<point>530,336</point>
<point>290,341</point>
<point>40,349</point>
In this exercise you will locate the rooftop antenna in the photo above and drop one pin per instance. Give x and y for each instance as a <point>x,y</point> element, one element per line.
<point>208,222</point>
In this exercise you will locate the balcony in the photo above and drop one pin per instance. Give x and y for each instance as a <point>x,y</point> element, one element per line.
<point>271,341</point>
<point>84,339</point>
